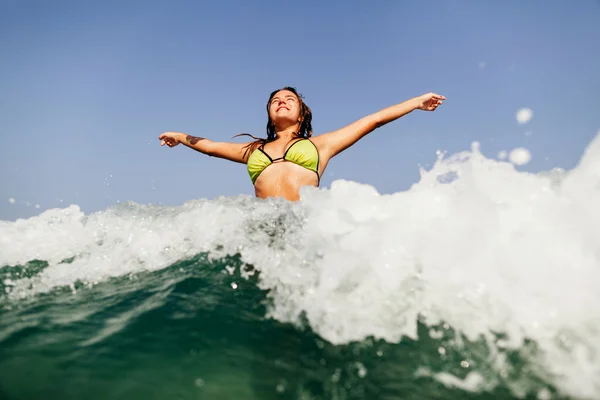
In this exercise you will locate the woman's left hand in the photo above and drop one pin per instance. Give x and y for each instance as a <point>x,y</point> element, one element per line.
<point>429,101</point>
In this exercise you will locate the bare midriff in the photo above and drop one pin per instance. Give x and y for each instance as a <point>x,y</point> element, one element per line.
<point>284,179</point>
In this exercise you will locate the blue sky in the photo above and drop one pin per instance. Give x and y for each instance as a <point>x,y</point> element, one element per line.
<point>86,88</point>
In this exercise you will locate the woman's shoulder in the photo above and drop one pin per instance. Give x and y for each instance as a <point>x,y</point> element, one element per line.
<point>318,140</point>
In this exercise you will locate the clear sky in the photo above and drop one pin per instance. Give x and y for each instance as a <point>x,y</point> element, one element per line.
<point>86,87</point>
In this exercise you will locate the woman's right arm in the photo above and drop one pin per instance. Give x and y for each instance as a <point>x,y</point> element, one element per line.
<point>229,151</point>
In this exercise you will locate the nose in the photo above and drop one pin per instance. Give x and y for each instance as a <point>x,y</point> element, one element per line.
<point>280,103</point>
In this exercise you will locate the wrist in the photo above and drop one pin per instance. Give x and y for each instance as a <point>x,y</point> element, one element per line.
<point>181,137</point>
<point>415,103</point>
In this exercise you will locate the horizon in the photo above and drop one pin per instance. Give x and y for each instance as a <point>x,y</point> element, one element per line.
<point>88,88</point>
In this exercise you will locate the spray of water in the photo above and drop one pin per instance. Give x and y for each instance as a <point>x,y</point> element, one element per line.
<point>475,244</point>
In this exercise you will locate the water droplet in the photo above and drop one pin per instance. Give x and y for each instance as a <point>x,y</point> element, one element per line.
<point>199,382</point>
<point>234,285</point>
<point>442,350</point>
<point>362,371</point>
<point>280,387</point>
<point>544,394</point>
<point>336,375</point>
<point>519,156</point>
<point>435,334</point>
<point>464,364</point>
<point>524,115</point>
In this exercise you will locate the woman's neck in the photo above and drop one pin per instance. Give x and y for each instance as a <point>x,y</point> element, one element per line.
<point>288,133</point>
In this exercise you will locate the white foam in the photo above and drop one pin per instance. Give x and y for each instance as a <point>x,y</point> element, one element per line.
<point>472,382</point>
<point>475,243</point>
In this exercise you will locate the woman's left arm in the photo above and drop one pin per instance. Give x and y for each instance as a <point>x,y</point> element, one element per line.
<point>335,142</point>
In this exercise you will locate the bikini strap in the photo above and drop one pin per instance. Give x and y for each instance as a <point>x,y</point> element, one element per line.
<point>292,145</point>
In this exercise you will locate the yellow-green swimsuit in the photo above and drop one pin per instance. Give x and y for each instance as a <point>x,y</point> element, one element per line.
<point>302,152</point>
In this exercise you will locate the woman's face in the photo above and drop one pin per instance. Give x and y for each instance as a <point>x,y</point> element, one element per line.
<point>284,108</point>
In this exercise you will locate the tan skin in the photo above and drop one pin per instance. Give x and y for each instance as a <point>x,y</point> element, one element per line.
<point>283,178</point>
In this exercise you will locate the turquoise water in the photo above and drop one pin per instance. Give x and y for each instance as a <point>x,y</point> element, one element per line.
<point>480,286</point>
<point>184,332</point>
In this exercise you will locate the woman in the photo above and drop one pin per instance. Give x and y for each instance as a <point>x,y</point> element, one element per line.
<point>290,157</point>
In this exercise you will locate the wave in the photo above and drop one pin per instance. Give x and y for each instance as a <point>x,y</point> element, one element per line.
<point>502,256</point>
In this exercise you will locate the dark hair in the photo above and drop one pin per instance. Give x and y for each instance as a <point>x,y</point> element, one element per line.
<point>305,130</point>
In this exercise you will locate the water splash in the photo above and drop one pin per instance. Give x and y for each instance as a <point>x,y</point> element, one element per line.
<point>475,244</point>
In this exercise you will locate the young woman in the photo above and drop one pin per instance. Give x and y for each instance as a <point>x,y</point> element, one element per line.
<point>290,157</point>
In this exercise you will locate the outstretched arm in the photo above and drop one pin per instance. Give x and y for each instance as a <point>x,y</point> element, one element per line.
<point>229,151</point>
<point>335,142</point>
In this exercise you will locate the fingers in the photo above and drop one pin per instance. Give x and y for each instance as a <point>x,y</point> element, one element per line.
<point>166,135</point>
<point>436,100</point>
<point>431,101</point>
<point>166,139</point>
<point>437,96</point>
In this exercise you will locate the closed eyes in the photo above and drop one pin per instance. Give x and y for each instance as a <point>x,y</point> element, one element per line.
<point>288,98</point>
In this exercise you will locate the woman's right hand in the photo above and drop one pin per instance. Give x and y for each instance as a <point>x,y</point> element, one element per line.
<point>171,139</point>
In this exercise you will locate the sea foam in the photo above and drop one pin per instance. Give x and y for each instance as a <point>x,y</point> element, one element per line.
<point>475,244</point>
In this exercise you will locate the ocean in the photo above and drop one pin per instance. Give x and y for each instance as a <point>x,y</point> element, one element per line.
<point>479,282</point>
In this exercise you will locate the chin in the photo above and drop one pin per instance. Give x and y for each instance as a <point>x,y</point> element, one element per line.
<point>284,119</point>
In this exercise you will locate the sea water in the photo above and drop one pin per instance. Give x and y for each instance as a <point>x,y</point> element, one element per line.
<point>478,282</point>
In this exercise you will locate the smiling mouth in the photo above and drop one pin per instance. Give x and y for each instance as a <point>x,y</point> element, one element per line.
<point>285,108</point>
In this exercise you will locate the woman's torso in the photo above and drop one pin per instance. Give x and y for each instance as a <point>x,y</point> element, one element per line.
<point>283,177</point>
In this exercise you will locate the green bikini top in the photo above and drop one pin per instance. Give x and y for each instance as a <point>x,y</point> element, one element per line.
<point>302,152</point>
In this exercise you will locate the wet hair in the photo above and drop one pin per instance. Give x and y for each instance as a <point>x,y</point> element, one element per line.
<point>305,130</point>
